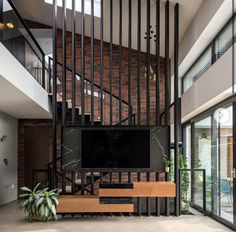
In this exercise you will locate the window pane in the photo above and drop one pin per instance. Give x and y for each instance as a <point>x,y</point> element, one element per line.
<point>202,160</point>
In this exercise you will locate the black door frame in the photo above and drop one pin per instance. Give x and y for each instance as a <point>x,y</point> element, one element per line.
<point>191,122</point>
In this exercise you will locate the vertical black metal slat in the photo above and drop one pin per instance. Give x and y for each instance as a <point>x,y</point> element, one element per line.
<point>138,63</point>
<point>92,61</point>
<point>148,65</point>
<point>92,183</point>
<point>82,183</point>
<point>101,63</point>
<point>120,62</point>
<point>167,71</point>
<point>177,113</point>
<point>157,198</point>
<point>43,70</point>
<point>110,175</point>
<point>167,201</point>
<point>111,60</point>
<point>73,182</point>
<point>139,206</point>
<point>148,199</point>
<point>120,177</point>
<point>73,61</point>
<point>129,62</point>
<point>54,97</point>
<point>129,177</point>
<point>158,123</point>
<point>63,182</point>
<point>50,75</point>
<point>1,19</point>
<point>82,61</point>
<point>64,64</point>
<point>167,6</point>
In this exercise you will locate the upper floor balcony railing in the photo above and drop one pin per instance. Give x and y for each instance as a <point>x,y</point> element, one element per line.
<point>18,39</point>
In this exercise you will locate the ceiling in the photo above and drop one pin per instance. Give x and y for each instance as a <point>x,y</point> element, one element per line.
<point>41,12</point>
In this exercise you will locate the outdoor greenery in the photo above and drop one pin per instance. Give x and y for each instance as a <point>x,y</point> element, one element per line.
<point>39,203</point>
<point>185,179</point>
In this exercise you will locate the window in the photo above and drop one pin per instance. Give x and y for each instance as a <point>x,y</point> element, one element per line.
<point>97,8</point>
<point>221,43</point>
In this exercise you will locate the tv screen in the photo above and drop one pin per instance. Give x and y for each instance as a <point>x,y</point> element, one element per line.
<point>115,148</point>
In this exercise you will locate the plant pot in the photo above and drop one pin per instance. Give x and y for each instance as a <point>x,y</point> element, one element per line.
<point>167,169</point>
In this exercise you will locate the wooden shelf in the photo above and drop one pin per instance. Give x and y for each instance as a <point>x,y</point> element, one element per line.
<point>142,189</point>
<point>90,204</point>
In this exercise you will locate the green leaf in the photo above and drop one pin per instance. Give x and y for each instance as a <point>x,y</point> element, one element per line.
<point>38,202</point>
<point>56,202</point>
<point>53,210</point>
<point>35,188</point>
<point>24,195</point>
<point>26,189</point>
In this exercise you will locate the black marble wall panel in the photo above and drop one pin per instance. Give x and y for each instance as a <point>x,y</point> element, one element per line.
<point>71,159</point>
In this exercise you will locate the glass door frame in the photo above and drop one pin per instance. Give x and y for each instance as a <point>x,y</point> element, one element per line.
<point>192,122</point>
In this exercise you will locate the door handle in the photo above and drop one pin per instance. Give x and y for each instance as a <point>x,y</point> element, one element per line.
<point>234,173</point>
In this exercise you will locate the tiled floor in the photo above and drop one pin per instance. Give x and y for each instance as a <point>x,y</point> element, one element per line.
<point>13,220</point>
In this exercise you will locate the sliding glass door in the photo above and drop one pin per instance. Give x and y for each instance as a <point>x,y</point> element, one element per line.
<point>211,139</point>
<point>225,163</point>
<point>202,160</point>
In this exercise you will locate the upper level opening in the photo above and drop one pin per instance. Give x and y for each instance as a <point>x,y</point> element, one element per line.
<point>87,5</point>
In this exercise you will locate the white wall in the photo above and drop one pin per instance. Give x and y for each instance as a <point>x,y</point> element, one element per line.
<point>8,150</point>
<point>27,99</point>
<point>214,86</point>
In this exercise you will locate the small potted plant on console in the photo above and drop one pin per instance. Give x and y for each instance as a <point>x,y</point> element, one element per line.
<point>168,164</point>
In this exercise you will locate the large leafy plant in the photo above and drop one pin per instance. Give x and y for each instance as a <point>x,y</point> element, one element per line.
<point>39,203</point>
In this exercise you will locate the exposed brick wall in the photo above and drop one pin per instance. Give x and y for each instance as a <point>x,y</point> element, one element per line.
<point>115,74</point>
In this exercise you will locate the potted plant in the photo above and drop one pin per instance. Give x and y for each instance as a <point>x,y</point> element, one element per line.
<point>39,204</point>
<point>168,164</point>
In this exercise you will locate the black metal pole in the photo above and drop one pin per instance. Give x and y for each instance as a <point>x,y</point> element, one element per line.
<point>92,61</point>
<point>177,112</point>
<point>82,61</point>
<point>120,63</point>
<point>138,63</point>
<point>167,64</point>
<point>129,62</point>
<point>43,70</point>
<point>101,63</point>
<point>64,64</point>
<point>158,123</point>
<point>148,65</point>
<point>111,58</point>
<point>1,21</point>
<point>73,100</point>
<point>54,96</point>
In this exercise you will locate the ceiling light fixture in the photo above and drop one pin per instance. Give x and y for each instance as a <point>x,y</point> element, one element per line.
<point>10,25</point>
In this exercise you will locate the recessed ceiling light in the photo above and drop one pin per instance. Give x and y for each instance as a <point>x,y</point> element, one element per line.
<point>10,25</point>
<point>87,7</point>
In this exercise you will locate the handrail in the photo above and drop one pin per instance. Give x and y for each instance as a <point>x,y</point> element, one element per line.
<point>96,85</point>
<point>171,105</point>
<point>25,26</point>
<point>133,116</point>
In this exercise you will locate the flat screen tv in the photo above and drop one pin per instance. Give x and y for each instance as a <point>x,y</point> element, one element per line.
<point>115,148</point>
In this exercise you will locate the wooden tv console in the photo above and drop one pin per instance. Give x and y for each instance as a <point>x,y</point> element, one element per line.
<point>96,204</point>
